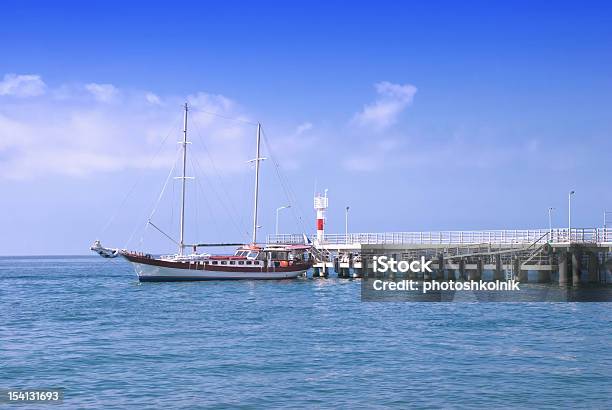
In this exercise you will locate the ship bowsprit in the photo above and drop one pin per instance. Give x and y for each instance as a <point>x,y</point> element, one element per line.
<point>104,252</point>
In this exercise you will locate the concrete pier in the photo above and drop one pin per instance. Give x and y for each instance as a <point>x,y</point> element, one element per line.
<point>468,254</point>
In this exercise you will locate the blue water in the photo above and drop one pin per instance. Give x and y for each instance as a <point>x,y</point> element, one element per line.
<point>87,325</point>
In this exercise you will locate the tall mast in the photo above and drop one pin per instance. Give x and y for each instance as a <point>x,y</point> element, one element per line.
<point>257,159</point>
<point>183,178</point>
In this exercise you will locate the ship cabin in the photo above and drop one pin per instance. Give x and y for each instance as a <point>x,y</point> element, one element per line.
<point>268,256</point>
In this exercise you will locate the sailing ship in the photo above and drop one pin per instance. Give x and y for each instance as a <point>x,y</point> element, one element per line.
<point>251,261</point>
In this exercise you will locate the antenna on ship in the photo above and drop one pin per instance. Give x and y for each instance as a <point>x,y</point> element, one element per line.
<point>183,177</point>
<point>257,159</point>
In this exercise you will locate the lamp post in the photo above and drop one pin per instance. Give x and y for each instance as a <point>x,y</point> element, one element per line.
<point>277,211</point>
<point>346,221</point>
<point>550,222</point>
<point>569,214</point>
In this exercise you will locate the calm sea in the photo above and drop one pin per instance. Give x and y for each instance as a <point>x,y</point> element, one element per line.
<point>87,325</point>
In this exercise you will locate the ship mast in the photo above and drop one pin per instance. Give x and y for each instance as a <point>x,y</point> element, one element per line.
<point>257,159</point>
<point>183,178</point>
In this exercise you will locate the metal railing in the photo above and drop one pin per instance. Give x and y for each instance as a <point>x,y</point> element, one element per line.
<point>512,236</point>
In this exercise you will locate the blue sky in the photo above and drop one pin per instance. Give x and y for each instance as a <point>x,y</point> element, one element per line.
<point>421,116</point>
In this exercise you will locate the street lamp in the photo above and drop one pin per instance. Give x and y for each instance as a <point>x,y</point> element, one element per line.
<point>569,214</point>
<point>346,221</point>
<point>277,211</point>
<point>550,221</point>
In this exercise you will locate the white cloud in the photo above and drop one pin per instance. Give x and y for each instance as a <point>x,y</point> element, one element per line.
<point>102,92</point>
<point>152,98</point>
<point>302,128</point>
<point>60,135</point>
<point>391,101</point>
<point>24,85</point>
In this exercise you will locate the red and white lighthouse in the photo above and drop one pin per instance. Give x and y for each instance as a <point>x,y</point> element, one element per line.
<point>320,205</point>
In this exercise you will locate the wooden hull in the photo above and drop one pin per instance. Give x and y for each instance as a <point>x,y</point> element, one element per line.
<point>156,270</point>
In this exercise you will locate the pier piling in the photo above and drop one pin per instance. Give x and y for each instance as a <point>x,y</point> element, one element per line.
<point>440,272</point>
<point>576,266</point>
<point>593,268</point>
<point>498,273</point>
<point>563,267</point>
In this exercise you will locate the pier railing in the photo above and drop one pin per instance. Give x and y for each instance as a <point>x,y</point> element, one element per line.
<point>512,236</point>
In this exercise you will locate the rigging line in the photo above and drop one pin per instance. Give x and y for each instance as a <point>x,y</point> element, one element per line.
<point>173,200</point>
<point>138,181</point>
<point>208,206</point>
<point>237,215</point>
<point>285,185</point>
<point>197,200</point>
<point>156,204</point>
<point>210,210</point>
<point>161,194</point>
<point>227,118</point>
<point>195,208</point>
<point>231,208</point>
<point>162,232</point>
<point>298,211</point>
<point>234,222</point>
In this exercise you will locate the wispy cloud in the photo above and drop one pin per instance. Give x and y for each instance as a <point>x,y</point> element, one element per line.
<point>302,128</point>
<point>102,92</point>
<point>152,98</point>
<point>392,99</point>
<point>24,85</point>
<point>63,136</point>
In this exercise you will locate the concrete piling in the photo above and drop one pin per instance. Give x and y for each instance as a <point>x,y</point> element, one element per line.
<point>593,268</point>
<point>498,273</point>
<point>521,275</point>
<point>543,276</point>
<point>576,266</point>
<point>461,269</point>
<point>440,272</point>
<point>564,260</point>
<point>427,275</point>
<point>475,274</point>
<point>412,275</point>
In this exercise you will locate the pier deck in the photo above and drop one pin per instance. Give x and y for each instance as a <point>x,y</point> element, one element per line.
<point>580,254</point>
<point>601,236</point>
